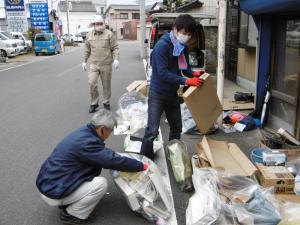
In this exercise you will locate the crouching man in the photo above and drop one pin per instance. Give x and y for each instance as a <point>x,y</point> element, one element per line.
<point>70,177</point>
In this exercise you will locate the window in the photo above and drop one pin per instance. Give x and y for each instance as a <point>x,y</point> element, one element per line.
<point>102,10</point>
<point>122,31</point>
<point>43,37</point>
<point>123,15</point>
<point>111,15</point>
<point>247,31</point>
<point>243,33</point>
<point>136,16</point>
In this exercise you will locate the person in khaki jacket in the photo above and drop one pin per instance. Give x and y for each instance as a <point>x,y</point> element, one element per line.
<point>102,50</point>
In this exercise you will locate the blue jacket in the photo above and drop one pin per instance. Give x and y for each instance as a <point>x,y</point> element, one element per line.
<point>78,158</point>
<point>166,76</point>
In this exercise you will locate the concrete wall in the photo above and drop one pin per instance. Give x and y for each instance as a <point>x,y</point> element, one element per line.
<point>211,43</point>
<point>246,68</point>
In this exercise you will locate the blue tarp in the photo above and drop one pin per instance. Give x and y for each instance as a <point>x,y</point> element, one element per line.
<point>259,7</point>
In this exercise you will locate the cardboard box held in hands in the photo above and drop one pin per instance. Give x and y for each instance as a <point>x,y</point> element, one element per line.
<point>225,156</point>
<point>203,103</point>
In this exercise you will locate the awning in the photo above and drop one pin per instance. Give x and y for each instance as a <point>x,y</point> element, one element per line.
<point>258,7</point>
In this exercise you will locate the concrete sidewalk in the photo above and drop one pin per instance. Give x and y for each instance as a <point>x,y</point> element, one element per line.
<point>245,140</point>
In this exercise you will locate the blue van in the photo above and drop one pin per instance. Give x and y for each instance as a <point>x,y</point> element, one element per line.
<point>46,43</point>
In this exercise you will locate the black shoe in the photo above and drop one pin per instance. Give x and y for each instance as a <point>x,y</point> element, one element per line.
<point>66,218</point>
<point>106,106</point>
<point>93,108</point>
<point>63,207</point>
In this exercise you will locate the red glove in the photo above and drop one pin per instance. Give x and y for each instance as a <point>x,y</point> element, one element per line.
<point>195,81</point>
<point>198,73</point>
<point>145,166</point>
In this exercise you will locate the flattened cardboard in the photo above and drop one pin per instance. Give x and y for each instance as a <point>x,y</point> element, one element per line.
<point>288,198</point>
<point>231,104</point>
<point>139,86</point>
<point>203,103</point>
<point>225,156</point>
<point>278,177</point>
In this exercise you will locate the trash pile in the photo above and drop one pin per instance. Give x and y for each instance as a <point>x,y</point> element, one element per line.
<point>230,189</point>
<point>145,191</point>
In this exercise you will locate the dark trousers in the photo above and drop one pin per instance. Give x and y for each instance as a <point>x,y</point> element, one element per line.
<point>157,104</point>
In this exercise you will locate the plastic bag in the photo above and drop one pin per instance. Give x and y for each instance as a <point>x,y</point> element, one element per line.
<point>132,103</point>
<point>144,191</point>
<point>181,164</point>
<point>235,186</point>
<point>188,123</point>
<point>293,166</point>
<point>205,205</point>
<point>258,208</point>
<point>290,214</point>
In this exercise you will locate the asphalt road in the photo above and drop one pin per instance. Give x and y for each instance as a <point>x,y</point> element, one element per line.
<point>40,103</point>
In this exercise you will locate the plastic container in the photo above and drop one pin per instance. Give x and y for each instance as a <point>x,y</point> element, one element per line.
<point>256,155</point>
<point>297,185</point>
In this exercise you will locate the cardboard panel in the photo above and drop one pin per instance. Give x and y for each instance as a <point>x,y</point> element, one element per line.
<point>224,156</point>
<point>231,104</point>
<point>204,104</point>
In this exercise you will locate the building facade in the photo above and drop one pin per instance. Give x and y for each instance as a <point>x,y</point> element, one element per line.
<point>81,14</point>
<point>278,64</point>
<point>118,15</point>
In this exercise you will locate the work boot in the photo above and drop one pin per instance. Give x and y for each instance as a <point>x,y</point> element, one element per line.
<point>66,218</point>
<point>106,106</point>
<point>93,108</point>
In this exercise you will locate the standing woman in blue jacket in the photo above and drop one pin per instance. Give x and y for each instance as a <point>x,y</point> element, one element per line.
<point>169,63</point>
<point>70,177</point>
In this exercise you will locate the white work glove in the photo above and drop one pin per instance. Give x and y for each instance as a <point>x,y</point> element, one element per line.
<point>83,66</point>
<point>115,64</point>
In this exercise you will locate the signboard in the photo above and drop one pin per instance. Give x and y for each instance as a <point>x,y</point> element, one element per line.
<point>39,17</point>
<point>16,17</point>
<point>14,5</point>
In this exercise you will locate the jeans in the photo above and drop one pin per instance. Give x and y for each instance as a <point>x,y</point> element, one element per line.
<point>157,104</point>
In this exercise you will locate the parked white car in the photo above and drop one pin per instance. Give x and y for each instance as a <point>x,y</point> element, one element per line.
<point>78,38</point>
<point>20,44</point>
<point>8,48</point>
<point>22,37</point>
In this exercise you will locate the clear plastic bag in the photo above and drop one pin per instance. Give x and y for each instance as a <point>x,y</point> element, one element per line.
<point>290,214</point>
<point>205,205</point>
<point>132,103</point>
<point>145,191</point>
<point>257,208</point>
<point>188,123</point>
<point>181,164</point>
<point>293,166</point>
<point>235,186</point>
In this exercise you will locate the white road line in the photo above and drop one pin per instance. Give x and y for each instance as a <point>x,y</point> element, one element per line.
<point>38,60</point>
<point>67,71</point>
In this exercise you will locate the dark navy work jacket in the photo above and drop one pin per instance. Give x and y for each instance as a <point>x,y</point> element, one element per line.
<point>78,158</point>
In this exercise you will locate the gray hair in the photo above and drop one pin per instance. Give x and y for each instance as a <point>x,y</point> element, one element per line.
<point>104,118</point>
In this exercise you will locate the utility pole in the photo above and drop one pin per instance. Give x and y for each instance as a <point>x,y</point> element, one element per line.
<point>221,52</point>
<point>143,29</point>
<point>53,18</point>
<point>68,26</point>
<point>221,48</point>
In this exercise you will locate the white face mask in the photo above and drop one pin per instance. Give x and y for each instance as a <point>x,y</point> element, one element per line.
<point>182,38</point>
<point>100,28</point>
